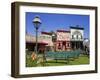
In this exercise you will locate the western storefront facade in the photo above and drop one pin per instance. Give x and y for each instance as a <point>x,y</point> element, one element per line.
<point>64,41</point>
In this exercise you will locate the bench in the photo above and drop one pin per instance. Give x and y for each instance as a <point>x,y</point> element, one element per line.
<point>65,55</point>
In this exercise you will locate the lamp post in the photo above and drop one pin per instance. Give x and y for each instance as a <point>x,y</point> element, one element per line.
<point>36,22</point>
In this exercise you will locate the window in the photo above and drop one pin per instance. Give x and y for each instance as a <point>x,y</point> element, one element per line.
<point>76,36</point>
<point>72,36</point>
<point>81,36</point>
<point>68,45</point>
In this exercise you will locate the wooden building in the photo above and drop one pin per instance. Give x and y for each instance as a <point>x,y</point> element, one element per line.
<point>31,43</point>
<point>63,40</point>
<point>77,37</point>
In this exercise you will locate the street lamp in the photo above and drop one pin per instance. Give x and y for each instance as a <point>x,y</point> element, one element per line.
<point>37,22</point>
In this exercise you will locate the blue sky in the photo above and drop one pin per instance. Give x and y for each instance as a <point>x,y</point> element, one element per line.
<point>53,22</point>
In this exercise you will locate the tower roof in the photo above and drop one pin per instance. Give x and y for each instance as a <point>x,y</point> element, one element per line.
<point>76,27</point>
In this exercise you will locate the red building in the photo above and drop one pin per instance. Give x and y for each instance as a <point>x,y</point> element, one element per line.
<point>63,40</point>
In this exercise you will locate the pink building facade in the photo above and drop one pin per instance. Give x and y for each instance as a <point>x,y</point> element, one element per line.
<point>63,40</point>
